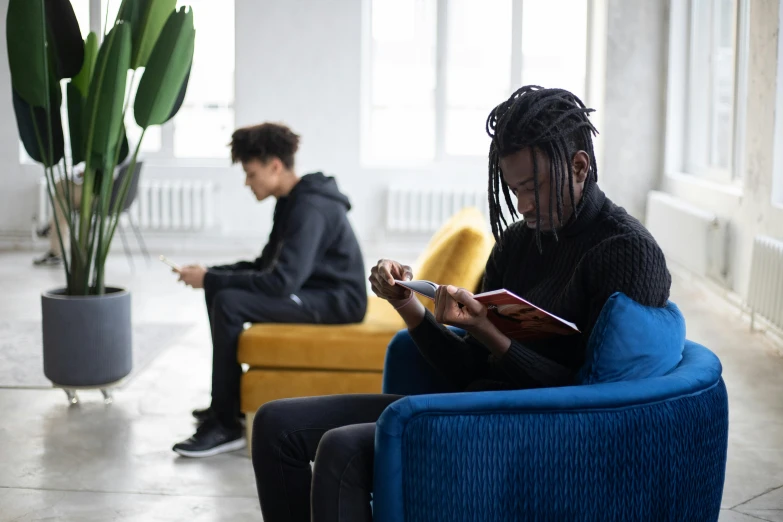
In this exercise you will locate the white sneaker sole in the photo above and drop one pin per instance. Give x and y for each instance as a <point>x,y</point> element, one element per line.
<point>217,450</point>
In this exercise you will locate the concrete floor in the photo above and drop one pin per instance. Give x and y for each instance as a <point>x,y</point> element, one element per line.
<point>95,462</point>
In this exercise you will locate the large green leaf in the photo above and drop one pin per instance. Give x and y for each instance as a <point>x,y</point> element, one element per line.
<point>25,38</point>
<point>32,123</point>
<point>82,80</point>
<point>181,95</point>
<point>103,111</point>
<point>129,12</point>
<point>150,17</point>
<point>124,150</point>
<point>75,114</point>
<point>65,37</point>
<point>124,147</point>
<point>167,68</point>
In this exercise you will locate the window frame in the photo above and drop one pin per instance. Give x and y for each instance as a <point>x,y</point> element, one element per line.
<point>687,124</point>
<point>442,160</point>
<point>777,158</point>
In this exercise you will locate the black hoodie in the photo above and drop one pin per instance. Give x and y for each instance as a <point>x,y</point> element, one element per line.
<point>312,252</point>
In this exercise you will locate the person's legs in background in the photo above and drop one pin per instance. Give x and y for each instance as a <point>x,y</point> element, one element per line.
<point>55,254</point>
<point>203,414</point>
<point>289,434</point>
<point>231,308</point>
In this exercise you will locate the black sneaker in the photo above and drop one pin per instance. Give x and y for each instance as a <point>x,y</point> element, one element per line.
<point>212,438</point>
<point>48,259</point>
<point>44,232</point>
<point>203,414</point>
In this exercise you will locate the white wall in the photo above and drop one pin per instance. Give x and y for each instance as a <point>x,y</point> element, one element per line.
<point>635,101</point>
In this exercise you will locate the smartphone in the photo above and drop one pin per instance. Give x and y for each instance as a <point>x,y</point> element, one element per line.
<point>173,265</point>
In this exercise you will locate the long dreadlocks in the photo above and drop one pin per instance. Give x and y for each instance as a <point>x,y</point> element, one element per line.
<point>553,121</point>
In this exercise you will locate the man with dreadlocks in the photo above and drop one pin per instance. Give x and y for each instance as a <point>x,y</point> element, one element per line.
<point>573,249</point>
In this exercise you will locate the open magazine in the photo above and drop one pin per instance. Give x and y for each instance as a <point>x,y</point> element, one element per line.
<point>517,318</point>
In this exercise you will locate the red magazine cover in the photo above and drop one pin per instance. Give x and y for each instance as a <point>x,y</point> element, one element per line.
<point>517,318</point>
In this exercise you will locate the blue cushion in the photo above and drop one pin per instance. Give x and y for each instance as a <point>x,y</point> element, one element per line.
<point>631,341</point>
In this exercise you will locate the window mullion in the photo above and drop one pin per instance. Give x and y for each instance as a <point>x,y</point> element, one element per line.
<point>96,18</point>
<point>167,131</point>
<point>441,47</point>
<point>516,46</point>
<point>741,89</point>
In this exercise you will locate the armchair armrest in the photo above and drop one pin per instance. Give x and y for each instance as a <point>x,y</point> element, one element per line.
<point>644,450</point>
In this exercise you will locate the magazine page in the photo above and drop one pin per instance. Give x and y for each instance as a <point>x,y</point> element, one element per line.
<point>521,320</point>
<point>421,287</point>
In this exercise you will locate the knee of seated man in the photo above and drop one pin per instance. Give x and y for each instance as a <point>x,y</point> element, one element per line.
<point>344,448</point>
<point>225,301</point>
<point>269,423</point>
<point>401,343</point>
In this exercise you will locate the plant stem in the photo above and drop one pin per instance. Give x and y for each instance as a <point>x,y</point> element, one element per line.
<point>89,173</point>
<point>51,190</point>
<point>65,208</point>
<point>123,194</point>
<point>104,242</point>
<point>68,196</point>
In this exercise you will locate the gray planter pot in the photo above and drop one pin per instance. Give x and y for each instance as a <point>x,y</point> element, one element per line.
<point>86,339</point>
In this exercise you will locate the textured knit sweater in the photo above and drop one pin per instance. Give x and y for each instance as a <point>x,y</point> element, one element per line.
<point>602,250</point>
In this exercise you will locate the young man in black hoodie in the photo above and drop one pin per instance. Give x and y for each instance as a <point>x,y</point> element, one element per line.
<point>310,271</point>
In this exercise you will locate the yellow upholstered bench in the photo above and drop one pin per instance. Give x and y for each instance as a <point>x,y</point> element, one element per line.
<point>304,360</point>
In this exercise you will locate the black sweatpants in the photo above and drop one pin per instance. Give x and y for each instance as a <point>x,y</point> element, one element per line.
<point>229,309</point>
<point>337,433</point>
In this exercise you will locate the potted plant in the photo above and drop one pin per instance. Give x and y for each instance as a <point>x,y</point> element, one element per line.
<point>87,324</point>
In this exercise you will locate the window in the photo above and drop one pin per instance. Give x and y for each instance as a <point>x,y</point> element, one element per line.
<point>777,162</point>
<point>436,68</point>
<point>713,37</point>
<point>203,126</point>
<point>205,122</point>
<point>555,58</point>
<point>402,80</point>
<point>478,71</point>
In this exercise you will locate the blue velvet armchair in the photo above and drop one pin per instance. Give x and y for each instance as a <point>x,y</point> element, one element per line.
<point>649,449</point>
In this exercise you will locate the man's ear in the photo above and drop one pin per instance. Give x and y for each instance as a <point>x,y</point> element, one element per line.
<point>581,166</point>
<point>277,165</point>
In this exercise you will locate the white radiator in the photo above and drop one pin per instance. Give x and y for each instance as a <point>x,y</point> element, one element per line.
<point>692,237</point>
<point>425,210</point>
<point>176,205</point>
<point>180,205</point>
<point>765,293</point>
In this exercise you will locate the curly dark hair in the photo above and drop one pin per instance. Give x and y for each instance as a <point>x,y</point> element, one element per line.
<point>264,142</point>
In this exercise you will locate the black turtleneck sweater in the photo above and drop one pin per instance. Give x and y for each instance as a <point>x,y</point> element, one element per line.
<point>602,250</point>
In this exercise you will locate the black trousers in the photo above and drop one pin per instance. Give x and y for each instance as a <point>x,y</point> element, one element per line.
<point>229,309</point>
<point>337,433</point>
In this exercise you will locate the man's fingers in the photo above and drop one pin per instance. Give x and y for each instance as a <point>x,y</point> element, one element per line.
<point>444,305</point>
<point>439,305</point>
<point>465,298</point>
<point>384,273</point>
<point>407,273</point>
